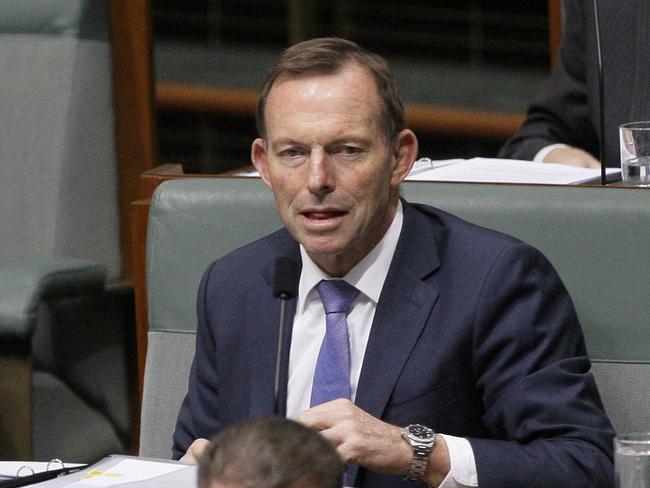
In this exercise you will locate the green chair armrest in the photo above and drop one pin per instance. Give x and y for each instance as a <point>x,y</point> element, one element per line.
<point>23,286</point>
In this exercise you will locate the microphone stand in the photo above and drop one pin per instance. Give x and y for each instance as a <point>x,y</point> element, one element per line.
<point>601,95</point>
<point>285,287</point>
<point>278,357</point>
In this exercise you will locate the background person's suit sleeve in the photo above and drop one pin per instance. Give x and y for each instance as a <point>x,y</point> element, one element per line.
<point>561,114</point>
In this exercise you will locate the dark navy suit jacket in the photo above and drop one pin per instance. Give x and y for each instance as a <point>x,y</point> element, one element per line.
<point>474,335</point>
<point>568,109</point>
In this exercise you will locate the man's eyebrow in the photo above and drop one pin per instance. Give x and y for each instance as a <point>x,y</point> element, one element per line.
<point>286,141</point>
<point>366,141</point>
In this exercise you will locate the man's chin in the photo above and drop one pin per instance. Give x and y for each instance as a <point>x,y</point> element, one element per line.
<point>323,251</point>
<point>335,258</point>
<point>328,252</point>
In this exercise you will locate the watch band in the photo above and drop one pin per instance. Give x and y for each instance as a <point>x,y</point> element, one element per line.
<point>421,440</point>
<point>418,463</point>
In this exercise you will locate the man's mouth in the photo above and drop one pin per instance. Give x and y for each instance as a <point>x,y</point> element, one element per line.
<point>323,214</point>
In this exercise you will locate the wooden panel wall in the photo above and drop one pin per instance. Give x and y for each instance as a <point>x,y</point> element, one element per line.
<point>554,28</point>
<point>135,141</point>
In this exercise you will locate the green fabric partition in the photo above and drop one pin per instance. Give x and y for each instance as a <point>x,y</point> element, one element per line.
<point>595,237</point>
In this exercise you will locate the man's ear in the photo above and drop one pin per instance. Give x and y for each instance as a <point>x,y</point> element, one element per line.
<point>405,152</point>
<point>260,161</point>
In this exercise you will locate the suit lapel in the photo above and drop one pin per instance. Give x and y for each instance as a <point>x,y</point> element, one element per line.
<point>404,306</point>
<point>262,335</point>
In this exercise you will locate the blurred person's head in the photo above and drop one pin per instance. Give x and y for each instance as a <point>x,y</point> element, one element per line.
<point>270,452</point>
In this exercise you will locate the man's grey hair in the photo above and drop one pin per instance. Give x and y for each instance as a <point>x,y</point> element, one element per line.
<point>328,56</point>
<point>270,452</point>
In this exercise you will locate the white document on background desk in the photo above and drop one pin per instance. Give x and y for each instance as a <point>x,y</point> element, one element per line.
<point>126,471</point>
<point>492,170</point>
<point>130,471</point>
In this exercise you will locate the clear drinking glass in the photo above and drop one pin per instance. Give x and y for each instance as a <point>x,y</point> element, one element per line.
<point>635,153</point>
<point>632,460</point>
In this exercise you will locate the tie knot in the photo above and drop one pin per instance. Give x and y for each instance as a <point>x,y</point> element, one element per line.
<point>336,295</point>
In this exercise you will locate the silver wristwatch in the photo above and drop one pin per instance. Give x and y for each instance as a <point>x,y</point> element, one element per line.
<point>422,440</point>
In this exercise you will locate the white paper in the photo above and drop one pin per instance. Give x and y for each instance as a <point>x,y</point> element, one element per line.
<point>252,173</point>
<point>127,471</point>
<point>493,170</point>
<point>490,170</point>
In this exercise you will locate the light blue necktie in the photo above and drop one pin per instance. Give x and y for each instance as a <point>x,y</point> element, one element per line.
<point>332,374</point>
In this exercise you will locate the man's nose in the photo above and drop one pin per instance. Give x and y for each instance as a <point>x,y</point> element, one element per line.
<point>320,178</point>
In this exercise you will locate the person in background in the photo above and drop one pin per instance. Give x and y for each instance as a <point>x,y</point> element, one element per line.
<point>269,452</point>
<point>423,347</point>
<point>563,124</point>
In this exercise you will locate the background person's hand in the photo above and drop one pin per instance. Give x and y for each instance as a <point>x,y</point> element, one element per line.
<point>572,156</point>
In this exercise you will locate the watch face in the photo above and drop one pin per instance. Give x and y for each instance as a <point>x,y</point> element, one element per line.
<point>420,432</point>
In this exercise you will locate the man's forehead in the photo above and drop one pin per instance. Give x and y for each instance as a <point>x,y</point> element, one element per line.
<point>310,129</point>
<point>322,93</point>
<point>352,71</point>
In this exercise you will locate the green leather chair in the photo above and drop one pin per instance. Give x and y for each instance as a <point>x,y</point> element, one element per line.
<point>65,319</point>
<point>594,236</point>
<point>66,343</point>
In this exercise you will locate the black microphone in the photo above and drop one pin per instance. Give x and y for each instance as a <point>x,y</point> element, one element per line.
<point>285,280</point>
<point>285,287</point>
<point>601,97</point>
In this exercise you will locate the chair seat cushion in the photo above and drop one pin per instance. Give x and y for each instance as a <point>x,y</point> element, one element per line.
<point>61,418</point>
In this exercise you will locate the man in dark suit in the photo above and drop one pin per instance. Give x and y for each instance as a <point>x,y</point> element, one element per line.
<point>440,326</point>
<point>563,124</point>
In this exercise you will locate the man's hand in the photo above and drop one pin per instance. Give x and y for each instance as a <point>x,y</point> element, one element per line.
<point>363,439</point>
<point>572,156</point>
<point>195,451</point>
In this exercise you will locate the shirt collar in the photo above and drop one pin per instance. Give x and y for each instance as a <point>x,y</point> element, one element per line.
<point>367,276</point>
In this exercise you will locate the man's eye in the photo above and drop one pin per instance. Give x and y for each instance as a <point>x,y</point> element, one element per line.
<point>349,150</point>
<point>290,153</point>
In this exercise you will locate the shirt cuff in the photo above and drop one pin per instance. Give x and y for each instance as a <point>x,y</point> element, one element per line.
<point>463,465</point>
<point>542,153</point>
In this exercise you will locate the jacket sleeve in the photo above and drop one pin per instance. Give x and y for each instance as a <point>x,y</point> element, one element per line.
<point>561,113</point>
<point>542,409</point>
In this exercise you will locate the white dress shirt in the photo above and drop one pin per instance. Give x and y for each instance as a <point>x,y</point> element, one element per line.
<point>368,277</point>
